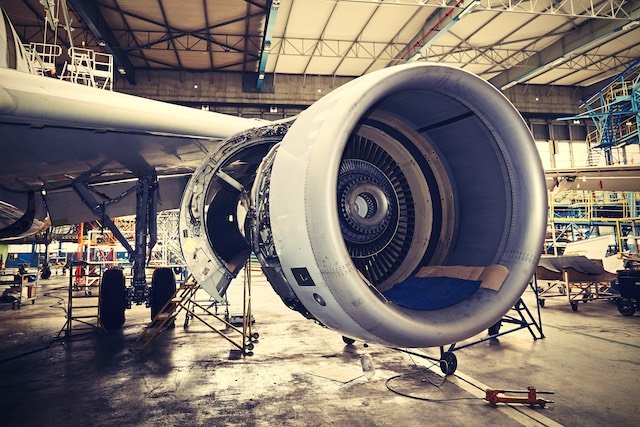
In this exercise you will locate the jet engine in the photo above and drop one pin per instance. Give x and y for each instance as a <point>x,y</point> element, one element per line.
<point>22,215</point>
<point>406,207</point>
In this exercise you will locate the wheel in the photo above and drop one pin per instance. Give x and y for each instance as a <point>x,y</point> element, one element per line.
<point>574,306</point>
<point>163,286</point>
<point>348,341</point>
<point>448,363</point>
<point>541,302</point>
<point>46,273</point>
<point>255,336</point>
<point>112,300</point>
<point>626,307</point>
<point>249,346</point>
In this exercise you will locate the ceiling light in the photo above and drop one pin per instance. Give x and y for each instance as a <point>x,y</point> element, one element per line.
<point>537,99</point>
<point>195,86</point>
<point>576,122</point>
<point>121,70</point>
<point>630,25</point>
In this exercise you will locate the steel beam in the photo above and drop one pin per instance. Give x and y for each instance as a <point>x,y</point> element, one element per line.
<point>169,31</point>
<point>592,9</point>
<point>587,37</point>
<point>269,24</point>
<point>89,12</point>
<point>438,24</point>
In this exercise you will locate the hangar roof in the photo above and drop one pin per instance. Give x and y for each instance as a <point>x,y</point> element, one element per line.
<point>558,42</point>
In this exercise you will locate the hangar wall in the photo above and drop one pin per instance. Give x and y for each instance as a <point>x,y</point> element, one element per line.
<point>561,144</point>
<point>299,90</point>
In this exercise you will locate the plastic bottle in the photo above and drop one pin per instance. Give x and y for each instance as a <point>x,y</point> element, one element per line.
<point>367,365</point>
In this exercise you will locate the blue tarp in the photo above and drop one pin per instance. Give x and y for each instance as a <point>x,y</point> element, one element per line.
<point>431,293</point>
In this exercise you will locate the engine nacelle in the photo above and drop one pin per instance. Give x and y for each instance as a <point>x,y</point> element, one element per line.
<point>22,215</point>
<point>406,207</point>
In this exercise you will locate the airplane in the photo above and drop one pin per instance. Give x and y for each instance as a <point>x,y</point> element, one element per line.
<point>594,178</point>
<point>406,207</point>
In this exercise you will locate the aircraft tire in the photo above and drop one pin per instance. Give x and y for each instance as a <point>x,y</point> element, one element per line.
<point>163,286</point>
<point>112,300</point>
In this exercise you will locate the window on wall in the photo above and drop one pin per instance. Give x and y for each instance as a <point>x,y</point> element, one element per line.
<point>540,131</point>
<point>578,132</point>
<point>561,132</point>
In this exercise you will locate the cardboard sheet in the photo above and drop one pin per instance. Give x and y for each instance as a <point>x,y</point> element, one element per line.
<point>492,276</point>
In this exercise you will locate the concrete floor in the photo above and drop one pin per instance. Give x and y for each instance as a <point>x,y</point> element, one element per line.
<point>589,358</point>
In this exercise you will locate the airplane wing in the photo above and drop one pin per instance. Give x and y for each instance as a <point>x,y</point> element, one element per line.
<point>54,132</point>
<point>595,178</point>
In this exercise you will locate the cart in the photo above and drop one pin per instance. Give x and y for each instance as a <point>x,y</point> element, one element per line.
<point>629,287</point>
<point>17,289</point>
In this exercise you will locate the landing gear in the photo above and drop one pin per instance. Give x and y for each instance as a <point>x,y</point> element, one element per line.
<point>145,230</point>
<point>112,300</point>
<point>448,363</point>
<point>574,306</point>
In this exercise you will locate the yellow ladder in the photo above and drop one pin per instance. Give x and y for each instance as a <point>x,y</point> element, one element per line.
<point>183,299</point>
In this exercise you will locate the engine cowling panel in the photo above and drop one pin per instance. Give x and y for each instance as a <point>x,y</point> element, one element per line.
<point>383,179</point>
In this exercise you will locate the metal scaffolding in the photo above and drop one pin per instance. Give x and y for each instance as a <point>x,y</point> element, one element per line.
<point>578,215</point>
<point>614,110</point>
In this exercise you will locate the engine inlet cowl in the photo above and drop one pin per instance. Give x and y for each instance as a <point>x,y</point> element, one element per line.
<point>408,206</point>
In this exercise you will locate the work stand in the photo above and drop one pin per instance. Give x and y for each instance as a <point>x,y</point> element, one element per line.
<point>518,318</point>
<point>242,338</point>
<point>83,294</point>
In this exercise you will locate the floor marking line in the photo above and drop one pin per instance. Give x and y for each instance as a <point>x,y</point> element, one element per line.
<point>521,414</point>
<point>592,336</point>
